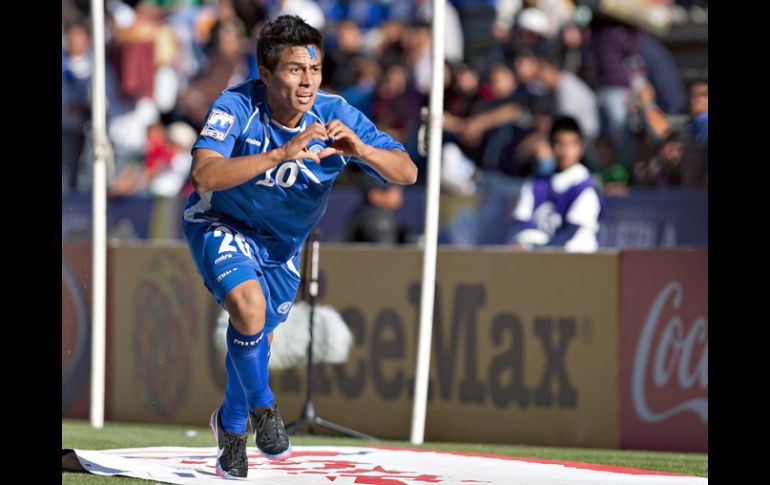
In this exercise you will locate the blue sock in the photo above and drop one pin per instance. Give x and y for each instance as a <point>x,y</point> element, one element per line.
<point>235,409</point>
<point>248,355</point>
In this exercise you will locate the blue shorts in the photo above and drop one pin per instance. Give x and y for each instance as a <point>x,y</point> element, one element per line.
<point>226,258</point>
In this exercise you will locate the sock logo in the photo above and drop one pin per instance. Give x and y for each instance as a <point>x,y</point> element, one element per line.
<point>248,344</point>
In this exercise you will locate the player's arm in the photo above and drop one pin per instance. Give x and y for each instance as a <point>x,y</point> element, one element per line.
<point>211,171</point>
<point>393,165</point>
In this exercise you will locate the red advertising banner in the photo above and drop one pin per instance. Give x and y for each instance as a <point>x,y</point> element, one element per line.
<point>664,350</point>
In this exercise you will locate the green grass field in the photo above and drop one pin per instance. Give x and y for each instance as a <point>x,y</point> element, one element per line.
<point>79,434</point>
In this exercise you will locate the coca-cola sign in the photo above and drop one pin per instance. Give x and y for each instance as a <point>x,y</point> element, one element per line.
<point>664,350</point>
<point>669,358</point>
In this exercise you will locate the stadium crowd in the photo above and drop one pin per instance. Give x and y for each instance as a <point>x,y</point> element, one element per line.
<point>512,68</point>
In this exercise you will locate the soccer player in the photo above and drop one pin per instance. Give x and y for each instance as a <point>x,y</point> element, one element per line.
<point>560,205</point>
<point>263,167</point>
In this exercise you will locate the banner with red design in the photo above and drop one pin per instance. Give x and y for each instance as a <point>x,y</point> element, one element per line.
<point>664,350</point>
<point>311,465</point>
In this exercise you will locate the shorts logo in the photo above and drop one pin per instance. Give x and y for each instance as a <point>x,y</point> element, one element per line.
<point>218,125</point>
<point>222,258</point>
<point>222,276</point>
<point>284,307</point>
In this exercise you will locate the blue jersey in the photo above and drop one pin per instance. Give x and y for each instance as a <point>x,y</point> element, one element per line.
<point>278,208</point>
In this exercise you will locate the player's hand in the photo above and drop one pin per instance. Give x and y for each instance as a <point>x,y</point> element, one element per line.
<point>297,148</point>
<point>346,142</point>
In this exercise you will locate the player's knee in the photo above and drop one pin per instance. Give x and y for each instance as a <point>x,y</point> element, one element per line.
<point>248,319</point>
<point>247,310</point>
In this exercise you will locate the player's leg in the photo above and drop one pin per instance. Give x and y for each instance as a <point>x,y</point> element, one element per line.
<point>225,260</point>
<point>235,406</point>
<point>247,345</point>
<point>269,430</point>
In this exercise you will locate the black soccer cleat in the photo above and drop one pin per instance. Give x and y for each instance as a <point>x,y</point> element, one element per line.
<point>269,433</point>
<point>232,461</point>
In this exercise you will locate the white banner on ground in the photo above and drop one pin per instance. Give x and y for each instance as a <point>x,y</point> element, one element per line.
<point>367,465</point>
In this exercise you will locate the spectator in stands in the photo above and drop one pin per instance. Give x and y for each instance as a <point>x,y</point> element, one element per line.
<point>367,14</point>
<point>339,58</point>
<point>416,41</point>
<point>572,96</point>
<point>664,169</point>
<point>132,50</point>
<point>492,117</point>
<point>133,178</point>
<point>571,39</point>
<point>615,177</point>
<point>526,152</point>
<point>172,178</point>
<point>560,206</point>
<point>531,27</point>
<point>308,10</point>
<point>615,50</point>
<point>130,80</point>
<point>75,98</point>
<point>696,136</point>
<point>227,65</point>
<point>647,126</point>
<point>167,63</point>
<point>454,42</point>
<point>396,103</point>
<point>374,220</point>
<point>366,73</point>
<point>663,73</point>
<point>698,125</point>
<point>391,48</point>
<point>461,89</point>
<point>525,66</point>
<point>644,113</point>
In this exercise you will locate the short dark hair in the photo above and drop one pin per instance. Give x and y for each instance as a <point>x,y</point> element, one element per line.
<point>565,123</point>
<point>696,82</point>
<point>284,31</point>
<point>551,59</point>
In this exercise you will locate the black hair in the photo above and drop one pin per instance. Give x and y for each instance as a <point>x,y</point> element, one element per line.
<point>673,136</point>
<point>696,81</point>
<point>565,123</point>
<point>551,58</point>
<point>284,31</point>
<point>78,24</point>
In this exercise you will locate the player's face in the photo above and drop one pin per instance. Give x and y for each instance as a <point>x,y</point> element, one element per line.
<point>294,83</point>
<point>567,148</point>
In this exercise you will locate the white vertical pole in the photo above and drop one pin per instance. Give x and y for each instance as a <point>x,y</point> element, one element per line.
<point>419,405</point>
<point>99,239</point>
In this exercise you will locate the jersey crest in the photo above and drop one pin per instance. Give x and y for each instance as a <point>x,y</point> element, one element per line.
<point>218,125</point>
